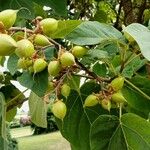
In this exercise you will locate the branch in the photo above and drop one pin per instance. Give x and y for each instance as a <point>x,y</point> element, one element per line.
<point>100,79</point>
<point>20,29</point>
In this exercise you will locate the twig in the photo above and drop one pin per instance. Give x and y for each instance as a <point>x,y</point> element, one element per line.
<point>21,29</point>
<point>100,79</point>
<point>84,76</point>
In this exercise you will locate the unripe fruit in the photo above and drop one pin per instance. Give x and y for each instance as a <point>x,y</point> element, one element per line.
<point>7,45</point>
<point>79,51</point>
<point>50,87</point>
<point>117,83</point>
<point>91,100</point>
<point>49,25</point>
<point>8,17</point>
<point>65,90</point>
<point>54,68</point>
<point>18,36</point>
<point>24,48</point>
<point>39,65</point>
<point>59,109</point>
<point>41,40</point>
<point>118,97</point>
<point>67,59</point>
<point>106,104</point>
<point>24,63</point>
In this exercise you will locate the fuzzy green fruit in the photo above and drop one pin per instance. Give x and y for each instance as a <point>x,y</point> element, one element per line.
<point>7,45</point>
<point>41,40</point>
<point>49,25</point>
<point>106,104</point>
<point>65,90</point>
<point>79,51</point>
<point>50,87</point>
<point>117,83</point>
<point>24,63</point>
<point>39,65</point>
<point>118,97</point>
<point>24,48</point>
<point>67,59</point>
<point>8,17</point>
<point>91,100</point>
<point>59,109</point>
<point>54,68</point>
<point>18,36</point>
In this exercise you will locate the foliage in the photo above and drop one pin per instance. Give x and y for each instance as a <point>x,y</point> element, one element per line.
<point>117,47</point>
<point>51,125</point>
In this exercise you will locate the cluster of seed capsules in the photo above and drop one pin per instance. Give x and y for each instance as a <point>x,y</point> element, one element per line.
<point>113,94</point>
<point>24,44</point>
<point>34,60</point>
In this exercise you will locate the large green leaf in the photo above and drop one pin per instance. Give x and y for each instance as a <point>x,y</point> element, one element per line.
<point>141,34</point>
<point>37,83</point>
<point>136,100</point>
<point>91,33</point>
<point>136,132</point>
<point>102,133</point>
<point>38,110</point>
<point>12,63</point>
<point>65,27</point>
<point>130,133</point>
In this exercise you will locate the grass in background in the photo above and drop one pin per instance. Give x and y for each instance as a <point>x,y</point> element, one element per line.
<point>51,141</point>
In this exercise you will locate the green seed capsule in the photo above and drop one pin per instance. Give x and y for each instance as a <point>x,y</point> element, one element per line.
<point>91,100</point>
<point>65,90</point>
<point>24,63</point>
<point>67,59</point>
<point>8,17</point>
<point>117,83</point>
<point>106,104</point>
<point>79,51</point>
<point>118,97</point>
<point>41,40</point>
<point>39,65</point>
<point>54,68</point>
<point>24,48</point>
<point>59,109</point>
<point>7,45</point>
<point>49,25</point>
